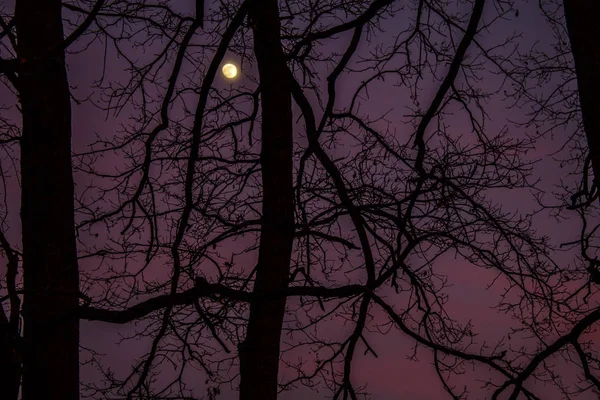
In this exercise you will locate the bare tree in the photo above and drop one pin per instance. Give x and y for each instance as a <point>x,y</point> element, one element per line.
<point>582,28</point>
<point>558,84</point>
<point>259,352</point>
<point>49,352</point>
<point>373,209</point>
<point>256,214</point>
<point>50,280</point>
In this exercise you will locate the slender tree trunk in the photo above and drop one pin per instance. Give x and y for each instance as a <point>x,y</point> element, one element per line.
<point>583,24</point>
<point>259,353</point>
<point>51,357</point>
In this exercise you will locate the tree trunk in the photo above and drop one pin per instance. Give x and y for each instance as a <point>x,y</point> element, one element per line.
<point>10,351</point>
<point>9,365</point>
<point>583,26</point>
<point>51,356</point>
<point>259,353</point>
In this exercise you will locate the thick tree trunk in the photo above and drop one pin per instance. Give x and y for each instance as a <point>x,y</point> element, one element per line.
<point>51,356</point>
<point>583,24</point>
<point>259,353</point>
<point>10,352</point>
<point>9,364</point>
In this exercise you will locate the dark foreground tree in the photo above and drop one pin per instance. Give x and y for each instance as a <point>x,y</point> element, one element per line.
<point>50,272</point>
<point>582,28</point>
<point>46,358</point>
<point>50,351</point>
<point>259,352</point>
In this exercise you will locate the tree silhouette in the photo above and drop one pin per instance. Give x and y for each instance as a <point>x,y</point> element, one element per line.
<point>243,223</point>
<point>586,53</point>
<point>36,71</point>
<point>565,104</point>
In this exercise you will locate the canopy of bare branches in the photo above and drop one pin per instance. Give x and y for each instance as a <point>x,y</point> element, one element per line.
<point>372,165</point>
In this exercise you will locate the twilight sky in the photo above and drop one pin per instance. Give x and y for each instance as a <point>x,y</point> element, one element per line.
<point>392,375</point>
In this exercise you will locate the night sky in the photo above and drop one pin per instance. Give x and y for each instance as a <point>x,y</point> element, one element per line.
<point>392,375</point>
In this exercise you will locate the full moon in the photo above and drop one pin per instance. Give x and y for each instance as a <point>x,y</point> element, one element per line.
<point>229,70</point>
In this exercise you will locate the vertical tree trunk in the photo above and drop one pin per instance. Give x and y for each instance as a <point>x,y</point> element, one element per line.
<point>259,353</point>
<point>583,25</point>
<point>10,352</point>
<point>9,365</point>
<point>51,357</point>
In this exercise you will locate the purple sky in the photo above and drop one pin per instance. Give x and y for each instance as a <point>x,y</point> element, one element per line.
<point>391,375</point>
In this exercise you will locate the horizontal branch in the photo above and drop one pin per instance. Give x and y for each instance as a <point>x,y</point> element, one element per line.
<point>157,303</point>
<point>201,290</point>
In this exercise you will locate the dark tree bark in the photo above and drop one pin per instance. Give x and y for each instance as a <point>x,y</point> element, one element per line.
<point>10,352</point>
<point>583,27</point>
<point>51,360</point>
<point>9,362</point>
<point>259,353</point>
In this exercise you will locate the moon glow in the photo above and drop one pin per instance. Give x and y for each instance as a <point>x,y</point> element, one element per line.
<point>230,71</point>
